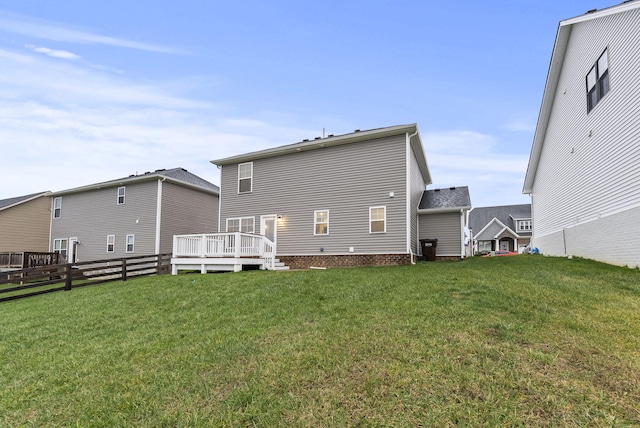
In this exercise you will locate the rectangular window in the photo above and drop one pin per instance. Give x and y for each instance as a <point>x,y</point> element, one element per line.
<point>60,246</point>
<point>377,219</point>
<point>245,177</point>
<point>598,81</point>
<point>57,207</point>
<point>524,225</point>
<point>121,191</point>
<point>484,246</point>
<point>111,243</point>
<point>130,243</point>
<point>321,222</point>
<point>241,224</point>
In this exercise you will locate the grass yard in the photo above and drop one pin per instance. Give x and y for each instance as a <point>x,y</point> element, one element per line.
<point>507,341</point>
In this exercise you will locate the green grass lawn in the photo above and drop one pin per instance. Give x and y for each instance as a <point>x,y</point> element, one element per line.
<point>510,341</point>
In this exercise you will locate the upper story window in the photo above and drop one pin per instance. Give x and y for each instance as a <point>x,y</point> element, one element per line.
<point>245,177</point>
<point>121,192</point>
<point>321,222</point>
<point>57,207</point>
<point>241,224</point>
<point>524,225</point>
<point>377,219</point>
<point>598,81</point>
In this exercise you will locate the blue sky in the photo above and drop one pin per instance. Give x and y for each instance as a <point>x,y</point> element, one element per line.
<point>94,91</point>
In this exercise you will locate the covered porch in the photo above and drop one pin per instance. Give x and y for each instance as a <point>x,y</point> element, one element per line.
<point>219,252</point>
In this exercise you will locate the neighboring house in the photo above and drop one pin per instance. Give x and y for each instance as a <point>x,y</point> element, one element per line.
<point>24,223</point>
<point>442,215</point>
<point>584,169</point>
<point>500,228</point>
<point>136,215</point>
<point>343,200</point>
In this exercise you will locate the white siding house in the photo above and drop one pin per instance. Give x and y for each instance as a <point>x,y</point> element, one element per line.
<point>584,168</point>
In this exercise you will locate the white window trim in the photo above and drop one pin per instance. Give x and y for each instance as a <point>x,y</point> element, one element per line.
<point>111,240</point>
<point>384,219</point>
<point>57,205</point>
<point>133,244</point>
<point>521,229</point>
<point>124,191</point>
<point>59,248</point>
<point>250,177</point>
<point>316,222</point>
<point>253,224</point>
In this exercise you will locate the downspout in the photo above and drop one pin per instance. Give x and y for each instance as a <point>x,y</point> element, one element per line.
<point>51,227</point>
<point>462,222</point>
<point>159,214</point>
<point>408,195</point>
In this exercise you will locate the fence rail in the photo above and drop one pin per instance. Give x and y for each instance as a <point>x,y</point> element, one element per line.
<point>28,282</point>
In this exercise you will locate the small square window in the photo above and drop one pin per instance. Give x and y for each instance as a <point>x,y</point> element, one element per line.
<point>121,193</point>
<point>321,222</point>
<point>377,219</point>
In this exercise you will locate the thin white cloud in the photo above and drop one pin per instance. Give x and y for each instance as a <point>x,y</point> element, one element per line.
<point>53,52</point>
<point>19,24</point>
<point>473,159</point>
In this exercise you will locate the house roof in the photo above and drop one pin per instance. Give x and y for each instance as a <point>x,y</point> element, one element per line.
<point>176,175</point>
<point>335,140</point>
<point>11,202</point>
<point>553,77</point>
<point>506,215</point>
<point>445,200</point>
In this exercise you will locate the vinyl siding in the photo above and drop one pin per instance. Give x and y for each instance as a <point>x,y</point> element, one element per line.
<point>588,166</point>
<point>25,227</point>
<point>92,215</point>
<point>417,187</point>
<point>447,229</point>
<point>346,180</point>
<point>185,211</point>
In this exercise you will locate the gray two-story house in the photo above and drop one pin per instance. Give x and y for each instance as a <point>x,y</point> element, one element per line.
<point>342,200</point>
<point>135,215</point>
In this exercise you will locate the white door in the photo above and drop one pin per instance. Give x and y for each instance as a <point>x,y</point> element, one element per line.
<point>269,227</point>
<point>73,250</point>
<point>504,245</point>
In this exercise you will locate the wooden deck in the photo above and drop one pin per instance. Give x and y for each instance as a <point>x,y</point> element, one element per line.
<point>220,252</point>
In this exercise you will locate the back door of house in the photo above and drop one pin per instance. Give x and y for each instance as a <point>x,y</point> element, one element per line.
<point>269,227</point>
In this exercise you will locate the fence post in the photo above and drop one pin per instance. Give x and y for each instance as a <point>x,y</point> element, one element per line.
<point>67,282</point>
<point>124,269</point>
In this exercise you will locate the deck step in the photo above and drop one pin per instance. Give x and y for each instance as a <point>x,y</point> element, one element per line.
<point>278,265</point>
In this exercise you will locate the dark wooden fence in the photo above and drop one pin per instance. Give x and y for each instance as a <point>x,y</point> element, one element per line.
<point>20,283</point>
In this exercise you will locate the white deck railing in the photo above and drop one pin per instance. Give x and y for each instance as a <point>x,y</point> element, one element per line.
<point>233,244</point>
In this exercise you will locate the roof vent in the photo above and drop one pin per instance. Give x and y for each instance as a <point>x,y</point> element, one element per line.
<point>357,130</point>
<point>452,188</point>
<point>436,190</point>
<point>318,138</point>
<point>160,170</point>
<point>591,11</point>
<point>330,135</point>
<point>305,140</point>
<point>148,172</point>
<point>132,175</point>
